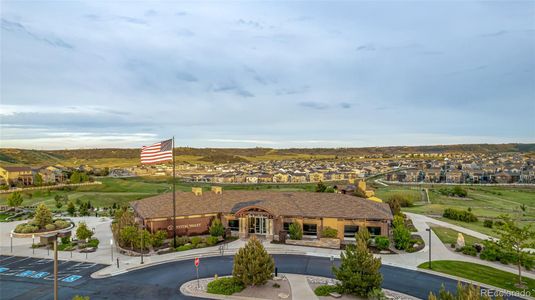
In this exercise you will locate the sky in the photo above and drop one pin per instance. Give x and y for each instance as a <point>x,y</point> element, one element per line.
<point>283,74</point>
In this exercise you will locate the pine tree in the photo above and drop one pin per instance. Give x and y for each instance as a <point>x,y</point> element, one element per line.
<point>43,216</point>
<point>71,208</point>
<point>252,264</point>
<point>359,270</point>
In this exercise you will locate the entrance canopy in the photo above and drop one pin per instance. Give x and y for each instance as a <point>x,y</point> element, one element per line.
<point>254,211</point>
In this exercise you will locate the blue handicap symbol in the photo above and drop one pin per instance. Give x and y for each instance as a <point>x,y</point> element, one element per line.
<point>3,269</point>
<point>71,278</point>
<point>39,275</point>
<point>27,273</point>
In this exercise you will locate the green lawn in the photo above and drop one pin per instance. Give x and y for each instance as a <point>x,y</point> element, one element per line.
<point>385,192</point>
<point>479,273</point>
<point>449,236</point>
<point>121,191</point>
<point>486,203</point>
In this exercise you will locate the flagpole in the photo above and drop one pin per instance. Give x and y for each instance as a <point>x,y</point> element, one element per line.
<point>174,196</point>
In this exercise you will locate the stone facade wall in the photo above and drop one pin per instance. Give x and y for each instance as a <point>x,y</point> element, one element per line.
<point>322,243</point>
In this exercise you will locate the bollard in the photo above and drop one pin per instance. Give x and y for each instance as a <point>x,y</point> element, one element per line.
<point>117,262</point>
<point>276,272</point>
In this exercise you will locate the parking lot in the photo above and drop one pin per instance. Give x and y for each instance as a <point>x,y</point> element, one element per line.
<point>20,271</point>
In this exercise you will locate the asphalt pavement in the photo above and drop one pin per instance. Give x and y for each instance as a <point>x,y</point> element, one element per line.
<point>25,278</point>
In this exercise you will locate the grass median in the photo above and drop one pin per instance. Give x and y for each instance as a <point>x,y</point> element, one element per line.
<point>480,273</point>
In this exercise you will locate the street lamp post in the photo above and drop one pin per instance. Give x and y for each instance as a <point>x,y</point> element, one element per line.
<point>56,267</point>
<point>33,243</point>
<point>429,230</point>
<point>111,248</point>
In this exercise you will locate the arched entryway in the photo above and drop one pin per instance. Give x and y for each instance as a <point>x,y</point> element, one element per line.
<point>255,220</point>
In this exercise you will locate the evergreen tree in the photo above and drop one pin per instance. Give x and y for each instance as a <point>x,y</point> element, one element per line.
<point>467,291</point>
<point>216,228</point>
<point>71,208</point>
<point>252,264</point>
<point>359,270</point>
<point>15,199</point>
<point>43,216</point>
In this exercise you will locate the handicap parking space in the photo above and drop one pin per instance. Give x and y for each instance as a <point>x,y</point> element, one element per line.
<point>28,268</point>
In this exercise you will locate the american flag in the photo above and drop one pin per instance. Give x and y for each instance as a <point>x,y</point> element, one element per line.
<point>157,153</point>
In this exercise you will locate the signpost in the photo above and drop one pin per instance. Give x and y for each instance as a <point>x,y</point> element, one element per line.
<point>197,261</point>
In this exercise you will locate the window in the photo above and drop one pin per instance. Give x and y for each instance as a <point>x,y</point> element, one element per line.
<point>234,225</point>
<point>286,226</point>
<point>350,230</point>
<point>374,230</point>
<point>310,229</point>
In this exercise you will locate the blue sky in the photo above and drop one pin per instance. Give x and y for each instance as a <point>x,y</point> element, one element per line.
<point>269,74</point>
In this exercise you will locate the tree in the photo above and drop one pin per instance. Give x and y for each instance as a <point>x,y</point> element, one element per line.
<point>43,216</point>
<point>83,232</point>
<point>252,264</point>
<point>129,235</point>
<point>38,179</point>
<point>514,239</point>
<point>15,199</point>
<point>320,187</point>
<point>216,228</point>
<point>359,269</point>
<point>71,208</point>
<point>295,231</point>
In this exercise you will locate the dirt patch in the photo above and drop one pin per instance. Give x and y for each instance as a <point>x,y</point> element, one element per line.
<point>268,291</point>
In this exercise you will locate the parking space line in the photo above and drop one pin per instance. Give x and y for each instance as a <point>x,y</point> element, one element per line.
<point>16,261</point>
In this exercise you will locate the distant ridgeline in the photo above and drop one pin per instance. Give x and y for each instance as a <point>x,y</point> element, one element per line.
<point>224,155</point>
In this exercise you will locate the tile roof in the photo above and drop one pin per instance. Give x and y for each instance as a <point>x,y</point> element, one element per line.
<point>301,204</point>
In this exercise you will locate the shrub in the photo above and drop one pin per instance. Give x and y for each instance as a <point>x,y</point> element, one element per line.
<point>329,232</point>
<point>402,199</point>
<point>196,240</point>
<point>276,285</point>
<point>184,247</point>
<point>201,245</point>
<point>325,290</point>
<point>182,240</point>
<point>225,286</point>
<point>211,240</point>
<point>402,238</point>
<point>93,243</point>
<point>14,199</point>
<point>50,227</point>
<point>295,231</point>
<point>217,229</point>
<point>469,250</point>
<point>252,264</point>
<point>460,215</point>
<point>26,228</point>
<point>376,294</point>
<point>456,191</point>
<point>158,238</point>
<point>488,223</point>
<point>61,224</point>
<point>382,242</point>
<point>83,232</point>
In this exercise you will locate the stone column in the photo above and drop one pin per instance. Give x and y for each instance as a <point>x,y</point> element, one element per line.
<point>243,233</point>
<point>269,231</point>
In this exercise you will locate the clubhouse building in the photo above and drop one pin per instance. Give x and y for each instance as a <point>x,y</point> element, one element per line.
<point>264,213</point>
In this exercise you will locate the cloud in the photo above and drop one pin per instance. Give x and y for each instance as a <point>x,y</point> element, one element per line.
<point>50,40</point>
<point>250,23</point>
<point>111,18</point>
<point>368,47</point>
<point>186,77</point>
<point>292,91</point>
<point>468,70</point>
<point>345,105</point>
<point>185,32</point>
<point>151,13</point>
<point>314,105</point>
<point>232,87</point>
